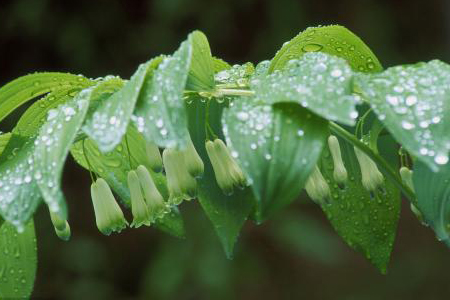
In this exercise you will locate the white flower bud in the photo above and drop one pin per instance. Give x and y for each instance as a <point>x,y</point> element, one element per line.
<point>339,172</point>
<point>138,206</point>
<point>153,156</point>
<point>194,163</point>
<point>371,176</point>
<point>157,208</point>
<point>317,187</point>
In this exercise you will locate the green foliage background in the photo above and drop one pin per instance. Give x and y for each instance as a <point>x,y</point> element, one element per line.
<point>296,254</point>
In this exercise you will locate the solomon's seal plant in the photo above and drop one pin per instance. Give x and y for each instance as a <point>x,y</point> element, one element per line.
<point>244,140</point>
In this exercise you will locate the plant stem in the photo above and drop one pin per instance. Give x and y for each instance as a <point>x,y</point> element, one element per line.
<point>383,164</point>
<point>234,92</point>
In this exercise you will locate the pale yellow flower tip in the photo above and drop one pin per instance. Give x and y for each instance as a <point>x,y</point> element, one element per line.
<point>157,208</point>
<point>181,185</point>
<point>138,206</point>
<point>108,215</point>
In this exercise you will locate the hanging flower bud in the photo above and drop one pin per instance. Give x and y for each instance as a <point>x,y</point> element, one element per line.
<point>317,187</point>
<point>371,176</point>
<point>138,206</point>
<point>62,228</point>
<point>339,172</point>
<point>181,185</point>
<point>108,215</point>
<point>155,202</point>
<point>406,175</point>
<point>153,156</point>
<point>228,174</point>
<point>194,163</point>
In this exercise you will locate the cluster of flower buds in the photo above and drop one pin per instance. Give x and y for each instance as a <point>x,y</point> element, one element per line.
<point>108,215</point>
<point>228,173</point>
<point>371,176</point>
<point>339,172</point>
<point>147,204</point>
<point>62,228</point>
<point>406,175</point>
<point>317,187</point>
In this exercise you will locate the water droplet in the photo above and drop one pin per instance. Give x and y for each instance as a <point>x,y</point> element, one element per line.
<point>312,48</point>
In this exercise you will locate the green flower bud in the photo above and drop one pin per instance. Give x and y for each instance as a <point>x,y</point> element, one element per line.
<point>108,215</point>
<point>181,185</point>
<point>153,156</point>
<point>228,173</point>
<point>194,163</point>
<point>406,175</point>
<point>371,176</point>
<point>63,234</point>
<point>339,172</point>
<point>317,187</point>
<point>157,208</point>
<point>138,206</point>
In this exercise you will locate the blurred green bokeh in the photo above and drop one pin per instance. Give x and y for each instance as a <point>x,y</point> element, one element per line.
<point>297,255</point>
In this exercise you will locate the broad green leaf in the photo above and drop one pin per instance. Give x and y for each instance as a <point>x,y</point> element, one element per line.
<point>220,64</point>
<point>114,166</point>
<point>18,261</point>
<point>52,146</point>
<point>109,122</point>
<point>201,73</point>
<point>277,147</point>
<point>413,103</point>
<point>25,88</point>
<point>160,114</point>
<point>336,40</point>
<point>318,81</point>
<point>4,139</point>
<point>366,222</point>
<point>433,198</point>
<point>227,213</point>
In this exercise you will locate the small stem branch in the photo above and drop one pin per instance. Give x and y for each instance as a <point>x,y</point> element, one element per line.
<point>383,164</point>
<point>234,92</point>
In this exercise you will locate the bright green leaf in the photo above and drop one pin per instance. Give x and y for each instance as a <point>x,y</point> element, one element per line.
<point>18,261</point>
<point>412,102</point>
<point>201,73</point>
<point>227,213</point>
<point>4,139</point>
<point>366,222</point>
<point>220,64</point>
<point>27,87</point>
<point>335,40</point>
<point>318,81</point>
<point>276,146</point>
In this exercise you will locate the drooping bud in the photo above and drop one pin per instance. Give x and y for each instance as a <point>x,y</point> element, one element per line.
<point>406,175</point>
<point>138,206</point>
<point>339,172</point>
<point>62,227</point>
<point>181,185</point>
<point>371,176</point>
<point>108,215</point>
<point>155,202</point>
<point>194,163</point>
<point>317,187</point>
<point>153,156</point>
<point>228,173</point>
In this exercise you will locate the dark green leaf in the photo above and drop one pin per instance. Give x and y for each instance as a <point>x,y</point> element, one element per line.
<point>366,222</point>
<point>276,146</point>
<point>412,102</point>
<point>18,261</point>
<point>335,40</point>
<point>227,213</point>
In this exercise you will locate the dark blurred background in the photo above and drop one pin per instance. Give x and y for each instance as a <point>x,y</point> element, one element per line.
<point>294,256</point>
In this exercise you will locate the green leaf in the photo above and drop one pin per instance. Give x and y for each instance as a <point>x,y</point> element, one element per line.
<point>227,213</point>
<point>109,122</point>
<point>366,222</point>
<point>220,65</point>
<point>318,81</point>
<point>412,102</point>
<point>433,198</point>
<point>27,87</point>
<point>114,166</point>
<point>52,146</point>
<point>18,262</point>
<point>201,73</point>
<point>277,147</point>
<point>4,139</point>
<point>335,40</point>
<point>160,114</point>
